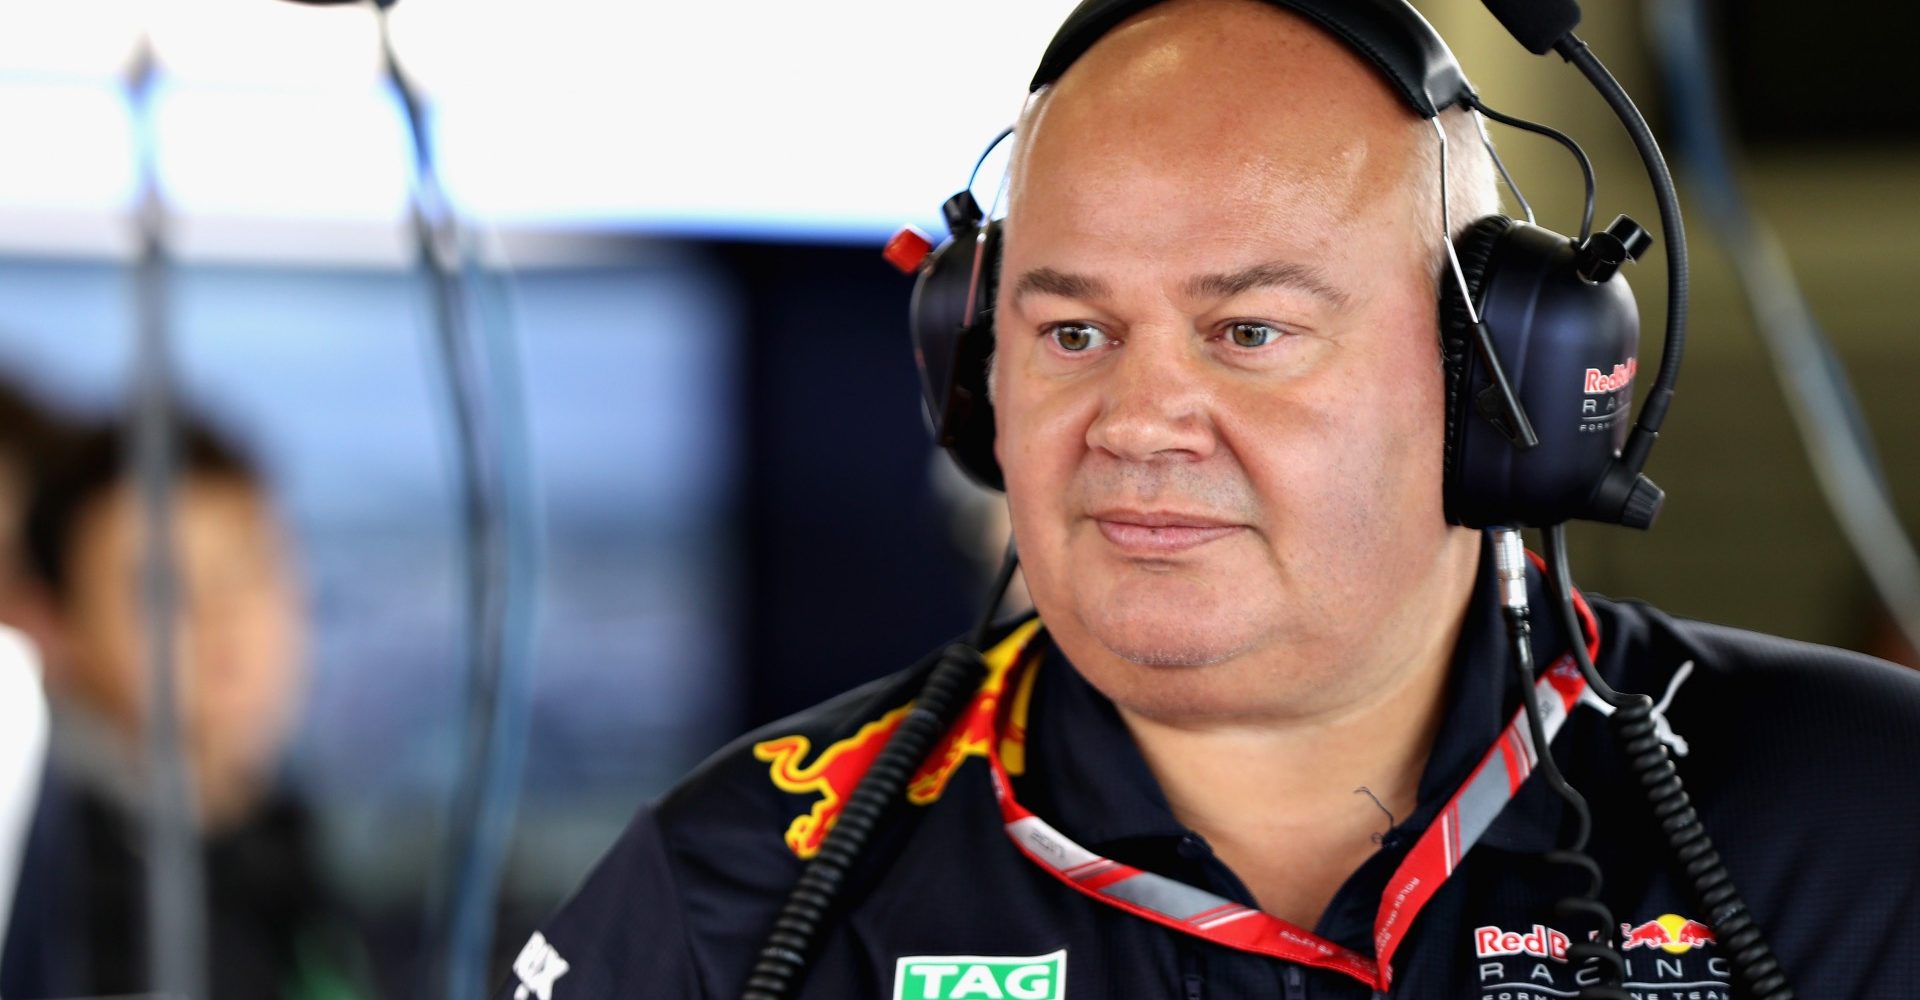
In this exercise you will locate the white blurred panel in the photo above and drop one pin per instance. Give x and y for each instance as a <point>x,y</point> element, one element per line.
<point>839,119</point>
<point>264,43</point>
<point>69,37</point>
<point>340,155</point>
<point>70,146</point>
<point>68,178</point>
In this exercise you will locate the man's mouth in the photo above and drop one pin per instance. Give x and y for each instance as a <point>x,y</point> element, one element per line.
<point>1161,533</point>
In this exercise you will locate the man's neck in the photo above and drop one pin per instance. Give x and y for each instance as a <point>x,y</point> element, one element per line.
<point>1293,805</point>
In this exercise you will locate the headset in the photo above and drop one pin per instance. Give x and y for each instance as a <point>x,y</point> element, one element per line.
<point>1532,438</point>
<point>1539,337</point>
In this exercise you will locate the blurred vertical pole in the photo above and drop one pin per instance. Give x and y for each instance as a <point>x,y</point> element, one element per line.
<point>176,887</point>
<point>1834,433</point>
<point>498,542</point>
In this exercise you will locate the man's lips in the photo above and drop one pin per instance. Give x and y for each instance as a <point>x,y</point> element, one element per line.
<point>1160,533</point>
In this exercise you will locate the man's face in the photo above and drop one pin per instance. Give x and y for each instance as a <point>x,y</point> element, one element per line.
<point>240,639</point>
<point>1218,384</point>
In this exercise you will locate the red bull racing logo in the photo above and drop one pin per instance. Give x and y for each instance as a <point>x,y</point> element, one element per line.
<point>1669,932</point>
<point>833,774</point>
<point>1541,942</point>
<point>1599,382</point>
<point>1663,957</point>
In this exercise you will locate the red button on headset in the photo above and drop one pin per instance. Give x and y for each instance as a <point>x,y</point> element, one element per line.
<point>908,248</point>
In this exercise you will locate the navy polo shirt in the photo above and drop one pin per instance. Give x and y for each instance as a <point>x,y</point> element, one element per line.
<point>1804,762</point>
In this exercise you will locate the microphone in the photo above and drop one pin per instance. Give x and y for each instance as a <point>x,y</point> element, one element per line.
<point>1536,24</point>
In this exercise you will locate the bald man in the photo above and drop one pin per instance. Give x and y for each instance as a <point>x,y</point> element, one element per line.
<point>1259,739</point>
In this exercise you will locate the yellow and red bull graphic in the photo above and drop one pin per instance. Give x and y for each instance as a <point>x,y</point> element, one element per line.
<point>1669,932</point>
<point>833,774</point>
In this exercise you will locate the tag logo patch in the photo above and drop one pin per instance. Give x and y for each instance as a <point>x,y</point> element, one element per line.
<point>981,977</point>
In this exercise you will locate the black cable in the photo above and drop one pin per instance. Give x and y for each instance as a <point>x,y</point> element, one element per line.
<point>1560,584</point>
<point>1580,155</point>
<point>1586,907</point>
<point>997,592</point>
<point>1754,966</point>
<point>1526,207</point>
<point>789,947</point>
<point>982,161</point>
<point>1654,411</point>
<point>496,546</point>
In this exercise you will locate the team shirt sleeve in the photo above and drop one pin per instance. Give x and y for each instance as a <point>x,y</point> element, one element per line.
<point>623,933</point>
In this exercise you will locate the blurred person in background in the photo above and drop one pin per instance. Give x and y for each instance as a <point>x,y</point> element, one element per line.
<point>79,922</point>
<point>28,431</point>
<point>30,435</point>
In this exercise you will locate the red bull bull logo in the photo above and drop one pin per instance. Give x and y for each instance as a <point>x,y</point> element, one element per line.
<point>1668,932</point>
<point>833,774</point>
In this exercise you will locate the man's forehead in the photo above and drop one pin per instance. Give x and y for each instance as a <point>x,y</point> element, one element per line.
<point>1240,61</point>
<point>1250,104</point>
<point>1206,220</point>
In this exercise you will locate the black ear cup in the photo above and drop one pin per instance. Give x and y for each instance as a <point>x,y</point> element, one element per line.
<point>1474,247</point>
<point>1569,346</point>
<point>951,323</point>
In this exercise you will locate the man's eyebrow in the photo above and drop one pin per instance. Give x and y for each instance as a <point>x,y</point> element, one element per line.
<point>1047,281</point>
<point>1305,277</point>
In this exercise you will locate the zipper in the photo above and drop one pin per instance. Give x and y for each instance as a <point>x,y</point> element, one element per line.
<point>1296,983</point>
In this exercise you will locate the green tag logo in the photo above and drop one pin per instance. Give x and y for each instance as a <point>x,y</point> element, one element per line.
<point>981,977</point>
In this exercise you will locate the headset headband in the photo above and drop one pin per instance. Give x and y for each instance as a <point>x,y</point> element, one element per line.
<point>1388,33</point>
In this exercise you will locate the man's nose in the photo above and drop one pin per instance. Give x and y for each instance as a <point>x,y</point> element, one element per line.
<point>1154,403</point>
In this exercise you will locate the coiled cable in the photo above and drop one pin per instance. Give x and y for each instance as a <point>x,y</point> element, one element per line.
<point>1586,908</point>
<point>789,947</point>
<point>1754,966</point>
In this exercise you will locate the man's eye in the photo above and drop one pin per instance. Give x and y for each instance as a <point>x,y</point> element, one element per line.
<point>1076,337</point>
<point>1253,334</point>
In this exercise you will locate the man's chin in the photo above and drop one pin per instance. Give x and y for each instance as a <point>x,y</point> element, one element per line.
<point>1169,643</point>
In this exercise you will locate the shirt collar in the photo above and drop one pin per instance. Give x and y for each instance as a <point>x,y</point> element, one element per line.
<point>1085,774</point>
<point>1087,777</point>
